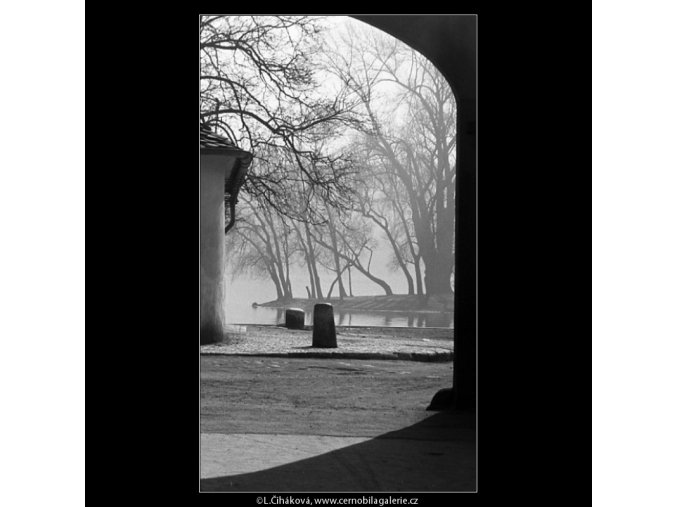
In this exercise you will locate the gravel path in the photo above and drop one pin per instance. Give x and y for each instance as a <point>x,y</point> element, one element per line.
<point>287,424</point>
<point>413,344</point>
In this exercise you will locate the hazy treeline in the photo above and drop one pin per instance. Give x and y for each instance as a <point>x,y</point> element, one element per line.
<point>354,136</point>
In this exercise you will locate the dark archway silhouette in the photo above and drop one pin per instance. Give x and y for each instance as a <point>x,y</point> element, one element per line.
<point>450,43</point>
<point>435,454</point>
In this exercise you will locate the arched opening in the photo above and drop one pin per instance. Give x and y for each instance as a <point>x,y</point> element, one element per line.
<point>296,202</point>
<point>353,185</point>
<point>450,42</point>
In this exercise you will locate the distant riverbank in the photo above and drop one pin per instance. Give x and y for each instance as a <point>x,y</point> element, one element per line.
<point>395,303</point>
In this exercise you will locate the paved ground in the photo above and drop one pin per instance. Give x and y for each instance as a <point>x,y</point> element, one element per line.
<point>308,424</point>
<point>413,344</point>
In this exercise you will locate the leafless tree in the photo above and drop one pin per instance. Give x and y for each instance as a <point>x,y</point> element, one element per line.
<point>351,244</point>
<point>321,195</point>
<point>306,245</point>
<point>261,245</point>
<point>411,145</point>
<point>259,86</point>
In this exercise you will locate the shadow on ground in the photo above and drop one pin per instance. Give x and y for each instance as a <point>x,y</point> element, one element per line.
<point>436,454</point>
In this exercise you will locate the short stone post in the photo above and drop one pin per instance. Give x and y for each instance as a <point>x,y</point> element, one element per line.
<point>294,318</point>
<point>324,331</point>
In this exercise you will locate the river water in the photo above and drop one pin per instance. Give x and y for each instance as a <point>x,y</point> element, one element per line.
<point>242,291</point>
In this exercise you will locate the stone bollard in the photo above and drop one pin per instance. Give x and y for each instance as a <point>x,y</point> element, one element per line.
<point>294,318</point>
<point>324,331</point>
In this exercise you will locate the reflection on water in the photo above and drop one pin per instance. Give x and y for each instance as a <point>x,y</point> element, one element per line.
<point>264,315</point>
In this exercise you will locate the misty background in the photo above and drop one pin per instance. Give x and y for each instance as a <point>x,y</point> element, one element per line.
<point>351,192</point>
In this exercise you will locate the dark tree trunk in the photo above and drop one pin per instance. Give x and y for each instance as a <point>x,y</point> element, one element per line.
<point>309,267</point>
<point>278,287</point>
<point>337,262</point>
<point>375,279</point>
<point>350,282</point>
<point>419,276</point>
<point>313,264</point>
<point>437,276</point>
<point>383,225</point>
